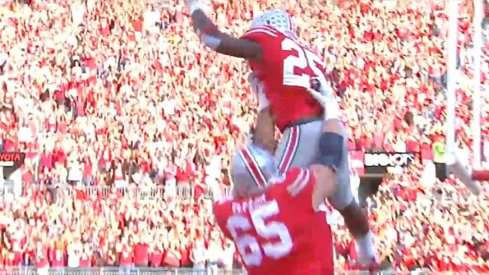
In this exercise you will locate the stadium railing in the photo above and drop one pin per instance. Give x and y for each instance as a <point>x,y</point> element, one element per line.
<point>149,193</point>
<point>145,271</point>
<point>139,193</point>
<point>113,271</point>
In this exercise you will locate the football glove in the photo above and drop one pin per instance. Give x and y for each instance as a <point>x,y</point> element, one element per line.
<point>323,93</point>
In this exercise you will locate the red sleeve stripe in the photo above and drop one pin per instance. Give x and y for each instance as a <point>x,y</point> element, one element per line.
<point>262,30</point>
<point>290,149</point>
<point>301,181</point>
<point>253,167</point>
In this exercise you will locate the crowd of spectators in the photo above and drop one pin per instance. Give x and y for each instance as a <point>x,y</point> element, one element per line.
<point>120,94</point>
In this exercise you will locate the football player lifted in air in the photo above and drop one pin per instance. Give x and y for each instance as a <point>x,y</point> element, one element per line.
<point>283,69</point>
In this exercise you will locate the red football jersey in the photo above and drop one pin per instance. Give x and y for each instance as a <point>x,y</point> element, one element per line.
<point>286,70</point>
<point>278,232</point>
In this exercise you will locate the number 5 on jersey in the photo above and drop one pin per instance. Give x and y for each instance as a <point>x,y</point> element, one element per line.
<point>249,247</point>
<point>295,66</point>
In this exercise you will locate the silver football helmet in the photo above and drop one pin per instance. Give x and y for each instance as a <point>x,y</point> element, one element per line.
<point>276,18</point>
<point>252,167</point>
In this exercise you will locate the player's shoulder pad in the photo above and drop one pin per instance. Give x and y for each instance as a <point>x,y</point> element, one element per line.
<point>297,180</point>
<point>260,32</point>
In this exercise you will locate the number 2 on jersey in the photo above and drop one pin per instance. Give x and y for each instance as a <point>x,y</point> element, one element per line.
<point>249,247</point>
<point>304,59</point>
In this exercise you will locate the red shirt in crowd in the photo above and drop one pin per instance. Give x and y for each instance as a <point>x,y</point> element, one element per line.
<point>156,258</point>
<point>171,260</point>
<point>141,255</point>
<point>85,259</point>
<point>57,258</point>
<point>126,257</point>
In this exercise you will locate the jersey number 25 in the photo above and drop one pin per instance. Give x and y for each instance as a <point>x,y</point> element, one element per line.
<point>249,247</point>
<point>295,65</point>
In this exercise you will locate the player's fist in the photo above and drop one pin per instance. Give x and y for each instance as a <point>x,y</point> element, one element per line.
<point>322,92</point>
<point>315,84</point>
<point>321,85</point>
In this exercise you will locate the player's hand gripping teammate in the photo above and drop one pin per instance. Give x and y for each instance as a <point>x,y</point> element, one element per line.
<point>285,67</point>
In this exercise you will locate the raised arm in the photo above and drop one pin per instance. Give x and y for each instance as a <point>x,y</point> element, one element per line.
<point>331,157</point>
<point>264,130</point>
<point>330,145</point>
<point>218,41</point>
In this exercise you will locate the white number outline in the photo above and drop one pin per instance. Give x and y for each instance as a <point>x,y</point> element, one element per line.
<point>305,58</point>
<point>248,246</point>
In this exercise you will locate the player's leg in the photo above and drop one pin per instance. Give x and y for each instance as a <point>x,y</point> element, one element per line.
<point>298,146</point>
<point>355,218</point>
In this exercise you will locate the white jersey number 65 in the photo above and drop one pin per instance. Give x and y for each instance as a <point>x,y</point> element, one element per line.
<point>249,246</point>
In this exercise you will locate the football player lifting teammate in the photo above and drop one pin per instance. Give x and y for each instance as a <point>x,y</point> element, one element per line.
<point>283,69</point>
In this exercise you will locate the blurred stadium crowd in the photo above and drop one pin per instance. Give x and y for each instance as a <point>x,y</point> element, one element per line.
<point>128,124</point>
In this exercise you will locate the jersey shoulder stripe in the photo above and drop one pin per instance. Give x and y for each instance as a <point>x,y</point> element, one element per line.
<point>300,182</point>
